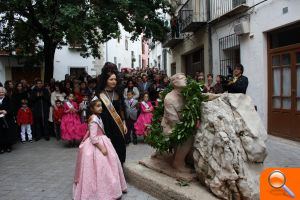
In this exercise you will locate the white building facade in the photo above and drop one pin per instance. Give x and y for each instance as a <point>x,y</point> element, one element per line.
<point>264,36</point>
<point>67,60</point>
<point>124,52</point>
<point>160,57</point>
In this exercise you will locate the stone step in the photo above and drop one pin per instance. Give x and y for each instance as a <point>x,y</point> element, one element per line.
<point>162,186</point>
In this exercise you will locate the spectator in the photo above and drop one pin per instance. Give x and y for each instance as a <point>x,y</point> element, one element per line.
<point>40,98</point>
<point>155,88</point>
<point>57,116</point>
<point>145,118</point>
<point>9,86</point>
<point>24,119</point>
<point>218,88</point>
<point>57,94</point>
<point>130,87</point>
<point>208,87</point>
<point>7,131</point>
<point>239,83</point>
<point>17,97</point>
<point>144,85</point>
<point>131,115</point>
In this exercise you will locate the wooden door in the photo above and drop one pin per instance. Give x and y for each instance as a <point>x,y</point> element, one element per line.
<point>284,92</point>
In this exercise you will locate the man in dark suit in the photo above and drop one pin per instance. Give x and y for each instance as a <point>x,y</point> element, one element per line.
<point>239,83</point>
<point>144,85</point>
<point>40,98</point>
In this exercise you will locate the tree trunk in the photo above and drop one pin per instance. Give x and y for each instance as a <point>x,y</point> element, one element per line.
<point>49,51</point>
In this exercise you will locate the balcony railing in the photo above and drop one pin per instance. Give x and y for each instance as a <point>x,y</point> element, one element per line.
<point>192,15</point>
<point>222,8</point>
<point>172,39</point>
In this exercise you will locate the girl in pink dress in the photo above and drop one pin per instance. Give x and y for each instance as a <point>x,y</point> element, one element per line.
<point>71,127</point>
<point>145,118</point>
<point>99,174</point>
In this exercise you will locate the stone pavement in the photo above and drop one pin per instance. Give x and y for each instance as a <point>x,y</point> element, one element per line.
<point>44,170</point>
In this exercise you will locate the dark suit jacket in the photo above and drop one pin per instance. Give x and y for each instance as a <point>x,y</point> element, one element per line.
<point>240,86</point>
<point>144,87</point>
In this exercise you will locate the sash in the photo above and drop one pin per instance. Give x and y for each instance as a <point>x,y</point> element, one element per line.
<point>145,104</point>
<point>69,104</point>
<point>112,112</point>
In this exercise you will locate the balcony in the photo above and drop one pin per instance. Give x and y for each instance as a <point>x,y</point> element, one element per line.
<point>172,40</point>
<point>221,9</point>
<point>192,15</point>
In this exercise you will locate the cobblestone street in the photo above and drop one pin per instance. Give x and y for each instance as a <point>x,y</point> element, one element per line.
<point>44,170</point>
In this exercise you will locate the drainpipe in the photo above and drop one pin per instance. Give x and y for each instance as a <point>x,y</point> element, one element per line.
<point>210,61</point>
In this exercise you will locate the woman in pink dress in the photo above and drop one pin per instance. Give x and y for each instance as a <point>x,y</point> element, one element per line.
<point>71,127</point>
<point>99,174</point>
<point>145,118</point>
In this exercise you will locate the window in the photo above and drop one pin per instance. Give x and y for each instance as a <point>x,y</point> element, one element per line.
<point>126,44</point>
<point>159,61</point>
<point>285,37</point>
<point>119,66</point>
<point>115,60</point>
<point>132,59</point>
<point>194,62</point>
<point>229,48</point>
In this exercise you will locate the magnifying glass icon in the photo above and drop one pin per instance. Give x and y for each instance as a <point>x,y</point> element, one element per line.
<point>277,180</point>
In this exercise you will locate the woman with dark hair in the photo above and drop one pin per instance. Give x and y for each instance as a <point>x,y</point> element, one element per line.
<point>130,87</point>
<point>9,86</point>
<point>113,115</point>
<point>18,95</point>
<point>57,94</point>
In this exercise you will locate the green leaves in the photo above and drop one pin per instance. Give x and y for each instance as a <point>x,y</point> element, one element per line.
<point>190,114</point>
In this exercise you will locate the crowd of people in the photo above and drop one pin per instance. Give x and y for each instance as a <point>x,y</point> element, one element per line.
<point>61,108</point>
<point>104,114</point>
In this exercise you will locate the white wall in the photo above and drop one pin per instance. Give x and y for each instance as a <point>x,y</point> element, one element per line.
<point>65,58</point>
<point>2,70</point>
<point>265,17</point>
<point>5,67</point>
<point>154,56</point>
<point>117,49</point>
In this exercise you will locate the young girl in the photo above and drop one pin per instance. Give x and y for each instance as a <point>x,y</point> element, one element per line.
<point>71,127</point>
<point>58,112</point>
<point>145,118</point>
<point>24,119</point>
<point>99,173</point>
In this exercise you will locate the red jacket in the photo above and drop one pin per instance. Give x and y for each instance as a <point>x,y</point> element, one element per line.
<point>24,116</point>
<point>58,113</point>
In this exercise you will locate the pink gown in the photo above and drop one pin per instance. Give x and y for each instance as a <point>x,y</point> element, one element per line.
<point>144,119</point>
<point>97,177</point>
<point>71,126</point>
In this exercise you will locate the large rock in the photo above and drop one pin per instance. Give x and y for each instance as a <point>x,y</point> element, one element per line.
<point>230,147</point>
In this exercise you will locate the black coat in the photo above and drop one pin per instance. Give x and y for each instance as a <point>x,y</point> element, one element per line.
<point>16,101</point>
<point>240,86</point>
<point>40,104</point>
<point>7,124</point>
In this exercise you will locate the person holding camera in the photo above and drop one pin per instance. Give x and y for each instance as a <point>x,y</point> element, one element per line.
<point>239,83</point>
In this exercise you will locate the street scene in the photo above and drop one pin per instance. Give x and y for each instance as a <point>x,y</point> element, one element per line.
<point>165,99</point>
